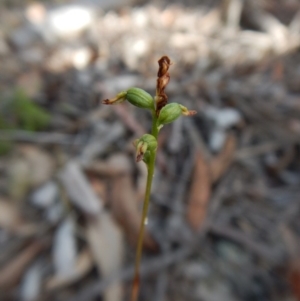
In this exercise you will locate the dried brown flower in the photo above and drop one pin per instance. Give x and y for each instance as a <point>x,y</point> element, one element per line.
<point>164,64</point>
<point>162,81</point>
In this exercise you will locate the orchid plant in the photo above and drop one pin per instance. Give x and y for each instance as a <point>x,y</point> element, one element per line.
<point>146,146</point>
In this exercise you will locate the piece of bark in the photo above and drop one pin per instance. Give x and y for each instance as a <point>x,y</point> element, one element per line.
<point>222,161</point>
<point>199,193</point>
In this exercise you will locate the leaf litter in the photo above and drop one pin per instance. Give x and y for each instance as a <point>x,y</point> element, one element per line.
<point>227,181</point>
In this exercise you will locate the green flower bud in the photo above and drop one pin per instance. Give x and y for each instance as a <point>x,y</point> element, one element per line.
<point>150,140</point>
<point>146,157</point>
<point>169,113</point>
<point>146,144</point>
<point>140,98</point>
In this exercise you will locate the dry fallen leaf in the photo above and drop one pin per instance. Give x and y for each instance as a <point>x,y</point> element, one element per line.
<point>99,186</point>
<point>65,249</point>
<point>199,193</point>
<point>115,165</point>
<point>31,284</point>
<point>29,168</point>
<point>205,174</point>
<point>83,265</point>
<point>42,165</point>
<point>107,245</point>
<point>221,162</point>
<point>12,221</point>
<point>79,189</point>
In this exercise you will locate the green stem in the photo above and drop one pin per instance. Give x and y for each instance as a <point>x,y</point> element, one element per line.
<point>150,167</point>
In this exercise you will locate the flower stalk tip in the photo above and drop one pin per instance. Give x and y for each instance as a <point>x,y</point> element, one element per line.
<point>164,63</point>
<point>163,78</point>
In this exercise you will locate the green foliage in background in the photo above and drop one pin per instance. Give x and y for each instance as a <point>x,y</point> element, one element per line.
<point>19,112</point>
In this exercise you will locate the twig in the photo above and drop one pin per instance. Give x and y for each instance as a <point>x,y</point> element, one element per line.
<point>257,150</point>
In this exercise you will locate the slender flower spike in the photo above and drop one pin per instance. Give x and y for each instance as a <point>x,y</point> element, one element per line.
<point>135,96</point>
<point>162,113</point>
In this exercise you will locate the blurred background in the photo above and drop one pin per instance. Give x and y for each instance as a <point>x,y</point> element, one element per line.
<point>224,217</point>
